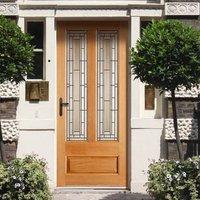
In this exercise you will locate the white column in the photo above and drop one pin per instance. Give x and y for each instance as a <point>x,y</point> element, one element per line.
<point>135,96</point>
<point>145,130</point>
<point>51,74</point>
<point>21,23</point>
<point>135,83</point>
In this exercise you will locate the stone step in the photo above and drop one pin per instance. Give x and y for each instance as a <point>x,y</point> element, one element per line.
<point>97,194</point>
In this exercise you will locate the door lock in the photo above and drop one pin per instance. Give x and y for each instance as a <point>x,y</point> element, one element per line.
<point>61,105</point>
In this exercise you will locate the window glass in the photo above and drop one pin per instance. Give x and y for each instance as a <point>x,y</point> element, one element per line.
<point>36,30</point>
<point>37,72</point>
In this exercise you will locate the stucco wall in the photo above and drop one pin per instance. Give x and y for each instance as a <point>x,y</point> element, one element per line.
<point>37,121</point>
<point>41,143</point>
<point>147,145</point>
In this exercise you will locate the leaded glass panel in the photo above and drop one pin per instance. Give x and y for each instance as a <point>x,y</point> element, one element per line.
<point>107,85</point>
<point>77,85</point>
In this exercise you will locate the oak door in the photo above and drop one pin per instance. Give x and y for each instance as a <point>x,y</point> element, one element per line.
<point>92,112</point>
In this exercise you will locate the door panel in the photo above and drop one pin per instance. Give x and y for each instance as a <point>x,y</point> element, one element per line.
<point>92,79</point>
<point>92,164</point>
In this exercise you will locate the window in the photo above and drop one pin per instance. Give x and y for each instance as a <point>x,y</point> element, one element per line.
<point>36,29</point>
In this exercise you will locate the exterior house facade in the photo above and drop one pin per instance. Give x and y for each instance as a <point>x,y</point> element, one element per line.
<point>82,110</point>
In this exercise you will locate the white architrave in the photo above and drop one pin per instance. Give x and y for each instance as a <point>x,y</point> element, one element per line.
<point>182,8</point>
<point>150,12</point>
<point>92,13</point>
<point>86,2</point>
<point>36,12</point>
<point>9,9</point>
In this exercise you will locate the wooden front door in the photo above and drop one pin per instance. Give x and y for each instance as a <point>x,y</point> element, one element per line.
<point>91,127</point>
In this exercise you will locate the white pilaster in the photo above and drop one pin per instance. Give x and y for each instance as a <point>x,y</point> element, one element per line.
<point>135,83</point>
<point>21,23</point>
<point>146,131</point>
<point>135,92</point>
<point>51,74</point>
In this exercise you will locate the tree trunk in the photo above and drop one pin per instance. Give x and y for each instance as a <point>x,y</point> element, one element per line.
<point>178,141</point>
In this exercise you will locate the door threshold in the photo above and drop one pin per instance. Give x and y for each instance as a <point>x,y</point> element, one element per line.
<point>63,190</point>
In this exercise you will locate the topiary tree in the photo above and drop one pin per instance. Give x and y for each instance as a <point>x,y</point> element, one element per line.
<point>16,55</point>
<point>168,56</point>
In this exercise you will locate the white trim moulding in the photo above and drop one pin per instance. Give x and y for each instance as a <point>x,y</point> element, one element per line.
<point>92,13</point>
<point>182,8</point>
<point>9,9</point>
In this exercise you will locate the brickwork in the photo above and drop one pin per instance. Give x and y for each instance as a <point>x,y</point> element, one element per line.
<point>192,22</point>
<point>185,108</point>
<point>189,149</point>
<point>8,108</point>
<point>10,149</point>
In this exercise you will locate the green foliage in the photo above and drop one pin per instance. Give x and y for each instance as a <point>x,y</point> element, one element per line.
<point>15,52</point>
<point>167,55</point>
<point>24,179</point>
<point>174,180</point>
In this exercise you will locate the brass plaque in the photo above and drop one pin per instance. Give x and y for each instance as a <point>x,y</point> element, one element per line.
<point>37,90</point>
<point>149,97</point>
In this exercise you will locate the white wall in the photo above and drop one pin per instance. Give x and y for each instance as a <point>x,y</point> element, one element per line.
<point>40,143</point>
<point>37,121</point>
<point>145,147</point>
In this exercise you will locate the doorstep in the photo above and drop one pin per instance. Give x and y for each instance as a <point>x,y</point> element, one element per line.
<point>97,194</point>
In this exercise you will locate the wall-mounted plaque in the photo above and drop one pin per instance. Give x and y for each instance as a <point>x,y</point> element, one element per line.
<point>149,97</point>
<point>37,90</point>
<point>34,92</point>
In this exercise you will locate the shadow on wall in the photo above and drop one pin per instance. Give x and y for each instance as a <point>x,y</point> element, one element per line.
<point>163,145</point>
<point>126,196</point>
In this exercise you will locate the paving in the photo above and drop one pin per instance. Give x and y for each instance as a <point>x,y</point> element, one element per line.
<point>99,195</point>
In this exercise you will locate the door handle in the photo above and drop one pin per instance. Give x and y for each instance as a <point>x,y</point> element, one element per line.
<point>61,105</point>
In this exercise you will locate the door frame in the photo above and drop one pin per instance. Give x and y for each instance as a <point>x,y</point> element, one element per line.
<point>61,68</point>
